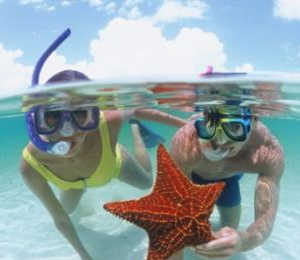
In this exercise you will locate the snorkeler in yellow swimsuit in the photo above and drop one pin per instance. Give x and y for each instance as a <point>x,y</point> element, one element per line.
<point>76,148</point>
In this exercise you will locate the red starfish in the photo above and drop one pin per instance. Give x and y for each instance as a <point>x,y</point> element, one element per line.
<point>175,214</point>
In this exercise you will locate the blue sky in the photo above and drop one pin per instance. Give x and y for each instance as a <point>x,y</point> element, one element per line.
<point>138,37</point>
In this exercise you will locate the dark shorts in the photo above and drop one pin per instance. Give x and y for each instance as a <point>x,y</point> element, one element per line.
<point>231,195</point>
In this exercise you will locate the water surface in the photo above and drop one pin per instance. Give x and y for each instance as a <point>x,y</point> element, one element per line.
<point>26,229</point>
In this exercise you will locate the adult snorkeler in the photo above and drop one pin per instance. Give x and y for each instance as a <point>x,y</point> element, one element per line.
<point>75,148</point>
<point>219,145</point>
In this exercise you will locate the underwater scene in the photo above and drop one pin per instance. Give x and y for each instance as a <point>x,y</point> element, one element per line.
<point>27,230</point>
<point>160,130</point>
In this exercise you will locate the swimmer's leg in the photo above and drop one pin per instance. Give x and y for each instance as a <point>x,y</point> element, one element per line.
<point>229,203</point>
<point>230,216</point>
<point>136,170</point>
<point>140,150</point>
<point>133,173</point>
<point>70,199</point>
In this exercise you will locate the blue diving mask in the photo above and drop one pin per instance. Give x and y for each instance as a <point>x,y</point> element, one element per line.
<point>222,125</point>
<point>235,126</point>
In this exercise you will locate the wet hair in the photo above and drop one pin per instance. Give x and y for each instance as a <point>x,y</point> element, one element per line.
<point>67,76</point>
<point>234,110</point>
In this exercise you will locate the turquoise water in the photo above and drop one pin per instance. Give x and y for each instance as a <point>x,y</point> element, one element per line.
<point>26,229</point>
<point>27,232</point>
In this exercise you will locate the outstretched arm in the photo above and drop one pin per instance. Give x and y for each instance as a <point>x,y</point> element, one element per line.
<point>42,190</point>
<point>158,116</point>
<point>230,241</point>
<point>266,202</point>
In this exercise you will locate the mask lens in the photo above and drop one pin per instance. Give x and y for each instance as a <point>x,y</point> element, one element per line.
<point>234,130</point>
<point>86,119</point>
<point>51,118</point>
<point>205,128</point>
<point>46,122</point>
<point>80,116</point>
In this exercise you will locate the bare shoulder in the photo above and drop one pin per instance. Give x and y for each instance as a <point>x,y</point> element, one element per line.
<point>114,119</point>
<point>185,148</point>
<point>30,176</point>
<point>268,152</point>
<point>265,138</point>
<point>114,116</point>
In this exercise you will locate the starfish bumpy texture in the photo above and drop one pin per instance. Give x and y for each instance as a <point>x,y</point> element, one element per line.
<point>175,214</point>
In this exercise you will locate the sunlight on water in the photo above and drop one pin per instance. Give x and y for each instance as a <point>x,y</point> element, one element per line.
<point>26,229</point>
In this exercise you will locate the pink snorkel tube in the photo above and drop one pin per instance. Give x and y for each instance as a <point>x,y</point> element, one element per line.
<point>209,73</point>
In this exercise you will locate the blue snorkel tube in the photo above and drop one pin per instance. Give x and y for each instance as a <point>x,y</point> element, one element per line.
<point>39,65</point>
<point>61,147</point>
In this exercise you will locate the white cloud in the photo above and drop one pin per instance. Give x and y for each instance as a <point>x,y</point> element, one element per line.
<point>13,75</point>
<point>287,9</point>
<point>133,2</point>
<point>45,7</point>
<point>110,7</point>
<point>38,4</point>
<point>137,47</point>
<point>95,3</point>
<point>169,11</point>
<point>173,10</point>
<point>65,3</point>
<point>128,48</point>
<point>26,2</point>
<point>56,63</point>
<point>134,13</point>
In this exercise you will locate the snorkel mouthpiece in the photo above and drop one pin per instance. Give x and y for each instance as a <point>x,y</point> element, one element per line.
<point>61,147</point>
<point>215,155</point>
<point>210,153</point>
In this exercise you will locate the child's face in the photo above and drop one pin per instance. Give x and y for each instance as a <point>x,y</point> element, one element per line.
<point>222,135</point>
<point>65,129</point>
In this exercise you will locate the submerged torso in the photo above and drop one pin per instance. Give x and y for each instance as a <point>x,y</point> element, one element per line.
<point>248,160</point>
<point>96,163</point>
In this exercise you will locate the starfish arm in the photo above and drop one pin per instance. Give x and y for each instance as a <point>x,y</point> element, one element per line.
<point>170,180</point>
<point>168,239</point>
<point>207,194</point>
<point>202,234</point>
<point>147,209</point>
<point>166,242</point>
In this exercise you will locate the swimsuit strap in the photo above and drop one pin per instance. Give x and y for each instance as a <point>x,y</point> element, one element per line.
<point>110,163</point>
<point>50,176</point>
<point>105,139</point>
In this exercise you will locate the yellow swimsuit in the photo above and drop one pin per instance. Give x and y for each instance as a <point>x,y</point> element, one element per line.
<point>109,166</point>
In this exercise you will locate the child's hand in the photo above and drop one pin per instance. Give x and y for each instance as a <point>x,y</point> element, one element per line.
<point>228,242</point>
